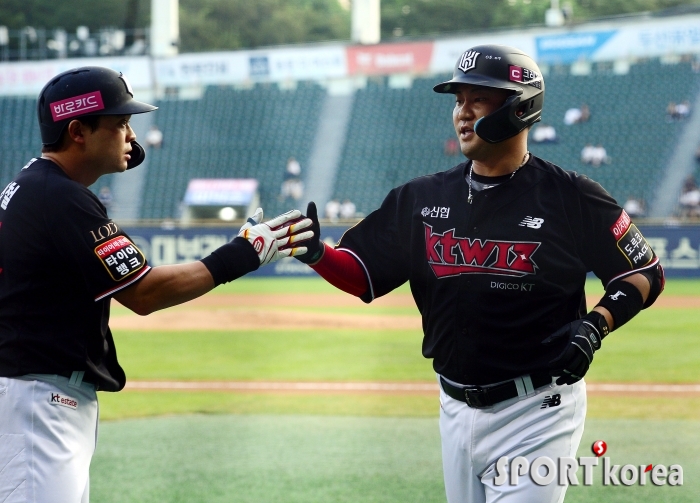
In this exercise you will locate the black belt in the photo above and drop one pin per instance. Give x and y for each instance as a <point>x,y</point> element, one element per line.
<point>479,397</point>
<point>86,377</point>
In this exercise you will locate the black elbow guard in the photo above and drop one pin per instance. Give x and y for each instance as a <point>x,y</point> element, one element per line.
<point>657,281</point>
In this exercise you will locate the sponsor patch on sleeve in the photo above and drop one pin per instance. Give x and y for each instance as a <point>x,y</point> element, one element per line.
<point>631,242</point>
<point>120,257</point>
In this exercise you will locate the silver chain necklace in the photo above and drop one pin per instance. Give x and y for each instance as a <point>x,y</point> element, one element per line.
<point>470,198</point>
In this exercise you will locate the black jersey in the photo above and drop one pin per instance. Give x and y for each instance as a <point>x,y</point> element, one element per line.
<point>61,259</point>
<point>492,279</point>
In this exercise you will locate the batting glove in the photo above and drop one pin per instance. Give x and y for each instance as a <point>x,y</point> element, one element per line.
<point>583,338</point>
<point>277,238</point>
<point>314,245</point>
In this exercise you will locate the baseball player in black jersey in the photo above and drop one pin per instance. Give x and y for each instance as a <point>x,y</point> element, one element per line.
<point>496,251</point>
<point>61,261</point>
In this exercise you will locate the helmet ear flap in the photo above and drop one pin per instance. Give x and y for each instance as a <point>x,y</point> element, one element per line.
<point>138,154</point>
<point>510,119</point>
<point>500,125</point>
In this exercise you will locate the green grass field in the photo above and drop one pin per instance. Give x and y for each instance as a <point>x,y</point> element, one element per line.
<point>216,446</point>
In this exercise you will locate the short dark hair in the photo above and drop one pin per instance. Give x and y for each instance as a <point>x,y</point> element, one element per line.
<point>91,121</point>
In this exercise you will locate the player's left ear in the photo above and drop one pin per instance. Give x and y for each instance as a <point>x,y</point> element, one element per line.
<point>76,131</point>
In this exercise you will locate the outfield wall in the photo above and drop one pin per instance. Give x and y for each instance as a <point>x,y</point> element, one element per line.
<point>678,247</point>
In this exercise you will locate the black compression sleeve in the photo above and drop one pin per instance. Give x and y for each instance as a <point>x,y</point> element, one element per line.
<point>623,300</point>
<point>231,261</point>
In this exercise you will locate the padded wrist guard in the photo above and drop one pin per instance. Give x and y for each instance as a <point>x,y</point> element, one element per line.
<point>623,300</point>
<point>231,261</point>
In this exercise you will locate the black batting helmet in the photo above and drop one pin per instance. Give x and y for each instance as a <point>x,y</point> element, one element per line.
<point>506,68</point>
<point>90,90</point>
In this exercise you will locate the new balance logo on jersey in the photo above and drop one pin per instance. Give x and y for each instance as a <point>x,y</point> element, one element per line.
<point>468,61</point>
<point>449,255</point>
<point>616,296</point>
<point>532,222</point>
<point>551,401</point>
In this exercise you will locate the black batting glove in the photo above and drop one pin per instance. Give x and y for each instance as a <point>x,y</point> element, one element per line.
<point>314,245</point>
<point>583,338</point>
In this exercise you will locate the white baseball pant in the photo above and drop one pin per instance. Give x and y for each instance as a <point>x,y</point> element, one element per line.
<point>48,434</point>
<point>474,439</point>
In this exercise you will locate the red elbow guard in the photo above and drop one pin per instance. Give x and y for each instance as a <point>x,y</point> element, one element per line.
<point>342,271</point>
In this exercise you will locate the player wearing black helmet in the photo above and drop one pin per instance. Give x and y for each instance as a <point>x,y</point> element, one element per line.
<point>61,261</point>
<point>496,251</point>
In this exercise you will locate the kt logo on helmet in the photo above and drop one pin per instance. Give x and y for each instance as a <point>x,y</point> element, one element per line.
<point>258,244</point>
<point>468,61</point>
<point>449,255</point>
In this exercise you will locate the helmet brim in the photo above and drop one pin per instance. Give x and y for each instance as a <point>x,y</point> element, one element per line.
<point>450,86</point>
<point>130,108</point>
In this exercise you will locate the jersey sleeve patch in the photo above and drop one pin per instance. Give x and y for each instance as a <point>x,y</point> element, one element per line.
<point>631,242</point>
<point>120,257</point>
<point>621,226</point>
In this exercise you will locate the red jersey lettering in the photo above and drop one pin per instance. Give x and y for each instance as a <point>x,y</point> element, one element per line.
<point>500,258</point>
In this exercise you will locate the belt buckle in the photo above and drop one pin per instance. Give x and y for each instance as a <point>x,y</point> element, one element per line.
<point>474,397</point>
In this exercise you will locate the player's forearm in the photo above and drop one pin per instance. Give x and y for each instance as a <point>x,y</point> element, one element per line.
<point>342,271</point>
<point>641,284</point>
<point>166,286</point>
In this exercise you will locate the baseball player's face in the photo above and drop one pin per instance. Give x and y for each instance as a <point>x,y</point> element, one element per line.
<point>471,104</point>
<point>108,147</point>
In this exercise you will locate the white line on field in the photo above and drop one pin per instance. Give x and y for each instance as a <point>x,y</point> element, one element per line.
<point>375,386</point>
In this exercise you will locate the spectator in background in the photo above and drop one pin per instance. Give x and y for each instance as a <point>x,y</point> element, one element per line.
<point>585,113</point>
<point>683,110</point>
<point>695,65</point>
<point>697,154</point>
<point>333,210</point>
<point>595,156</point>
<point>690,198</point>
<point>544,133</point>
<point>600,156</point>
<point>292,186</point>
<point>689,184</point>
<point>672,112</point>
<point>452,147</point>
<point>105,197</point>
<point>154,137</point>
<point>293,169</point>
<point>690,203</point>
<point>347,210</point>
<point>577,115</point>
<point>587,154</point>
<point>634,207</point>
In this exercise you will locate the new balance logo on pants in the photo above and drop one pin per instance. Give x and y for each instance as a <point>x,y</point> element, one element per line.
<point>551,401</point>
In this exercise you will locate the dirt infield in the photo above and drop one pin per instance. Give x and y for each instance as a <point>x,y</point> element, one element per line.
<point>394,388</point>
<point>298,311</point>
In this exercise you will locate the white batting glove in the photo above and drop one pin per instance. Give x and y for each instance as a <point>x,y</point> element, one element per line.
<point>275,239</point>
